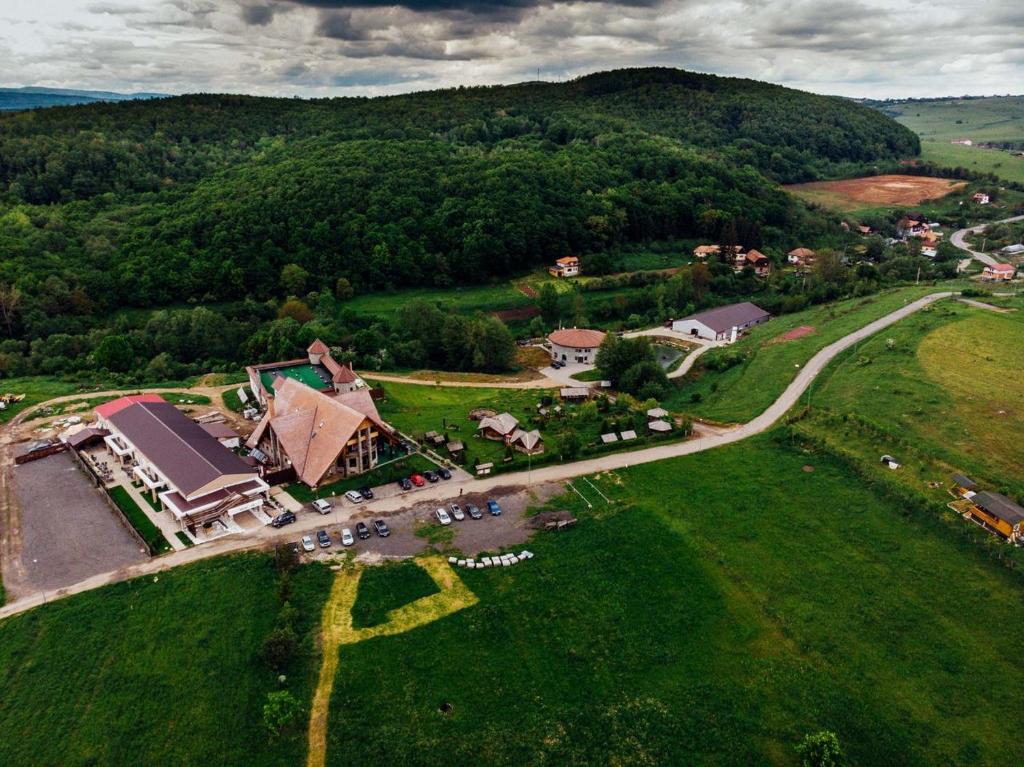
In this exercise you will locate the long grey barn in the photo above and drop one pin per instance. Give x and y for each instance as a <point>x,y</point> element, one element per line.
<point>723,323</point>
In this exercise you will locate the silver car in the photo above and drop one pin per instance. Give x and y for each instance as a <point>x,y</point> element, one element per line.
<point>457,512</point>
<point>346,537</point>
<point>307,543</point>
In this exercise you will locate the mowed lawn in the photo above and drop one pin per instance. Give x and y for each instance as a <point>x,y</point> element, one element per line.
<point>164,670</point>
<point>485,298</point>
<point>767,364</point>
<point>950,384</point>
<point>724,606</point>
<point>977,159</point>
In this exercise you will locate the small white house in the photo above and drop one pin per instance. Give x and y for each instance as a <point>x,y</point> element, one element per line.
<point>723,323</point>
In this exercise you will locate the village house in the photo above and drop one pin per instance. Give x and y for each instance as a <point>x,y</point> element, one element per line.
<point>197,479</point>
<point>317,370</point>
<point>321,436</point>
<point>723,323</point>
<point>999,514</point>
<point>998,272</point>
<point>701,252</point>
<point>865,229</point>
<point>565,267</point>
<point>504,427</point>
<point>801,257</point>
<point>909,227</point>
<point>577,345</point>
<point>980,198</point>
<point>756,260</point>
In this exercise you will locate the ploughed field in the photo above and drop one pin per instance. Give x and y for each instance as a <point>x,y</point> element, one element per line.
<point>893,189</point>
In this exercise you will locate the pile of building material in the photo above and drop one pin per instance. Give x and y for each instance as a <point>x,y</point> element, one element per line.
<point>501,560</point>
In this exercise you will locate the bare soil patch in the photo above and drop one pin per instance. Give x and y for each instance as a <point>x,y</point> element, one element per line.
<point>513,315</point>
<point>795,333</point>
<point>891,189</point>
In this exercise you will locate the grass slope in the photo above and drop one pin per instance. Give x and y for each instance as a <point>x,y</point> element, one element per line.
<point>688,624</point>
<point>946,386</point>
<point>163,670</point>
<point>765,365</point>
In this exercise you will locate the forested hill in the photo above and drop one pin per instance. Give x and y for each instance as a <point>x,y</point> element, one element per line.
<point>208,197</point>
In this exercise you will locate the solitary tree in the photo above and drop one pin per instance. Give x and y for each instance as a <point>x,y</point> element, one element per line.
<point>281,713</point>
<point>820,750</point>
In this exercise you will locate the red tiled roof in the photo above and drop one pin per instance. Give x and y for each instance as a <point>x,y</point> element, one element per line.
<point>107,409</point>
<point>345,374</point>
<point>318,347</point>
<point>1002,268</point>
<point>580,338</point>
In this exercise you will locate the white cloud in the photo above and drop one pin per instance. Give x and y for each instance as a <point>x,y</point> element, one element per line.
<point>326,47</point>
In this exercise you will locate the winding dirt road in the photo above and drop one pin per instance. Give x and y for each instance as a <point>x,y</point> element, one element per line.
<point>267,536</point>
<point>959,235</point>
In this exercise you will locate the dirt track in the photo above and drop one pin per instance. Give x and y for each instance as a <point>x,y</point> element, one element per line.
<point>883,190</point>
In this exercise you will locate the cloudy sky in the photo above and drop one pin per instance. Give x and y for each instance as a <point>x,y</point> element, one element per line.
<point>876,48</point>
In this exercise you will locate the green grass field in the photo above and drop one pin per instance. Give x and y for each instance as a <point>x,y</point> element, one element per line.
<point>947,386</point>
<point>158,671</point>
<point>385,588</point>
<point>766,364</point>
<point>713,616</point>
<point>724,606</point>
<point>487,298</point>
<point>996,119</point>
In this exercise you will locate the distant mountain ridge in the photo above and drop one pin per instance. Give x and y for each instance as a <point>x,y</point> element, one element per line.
<point>35,97</point>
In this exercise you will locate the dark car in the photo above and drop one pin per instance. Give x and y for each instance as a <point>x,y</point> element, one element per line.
<point>494,508</point>
<point>362,530</point>
<point>430,476</point>
<point>366,492</point>
<point>405,484</point>
<point>474,511</point>
<point>445,474</point>
<point>285,518</point>
<point>323,539</point>
<point>381,527</point>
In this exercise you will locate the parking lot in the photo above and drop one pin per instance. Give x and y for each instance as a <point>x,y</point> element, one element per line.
<point>68,532</point>
<point>471,536</point>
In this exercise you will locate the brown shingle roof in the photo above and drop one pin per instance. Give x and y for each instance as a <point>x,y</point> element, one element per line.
<point>580,338</point>
<point>318,347</point>
<point>176,445</point>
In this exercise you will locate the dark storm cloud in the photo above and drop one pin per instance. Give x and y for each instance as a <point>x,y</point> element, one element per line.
<point>340,26</point>
<point>485,8</point>
<point>258,15</point>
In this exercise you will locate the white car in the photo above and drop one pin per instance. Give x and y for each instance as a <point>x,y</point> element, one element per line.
<point>307,543</point>
<point>442,516</point>
<point>458,513</point>
<point>323,506</point>
<point>346,537</point>
<point>355,496</point>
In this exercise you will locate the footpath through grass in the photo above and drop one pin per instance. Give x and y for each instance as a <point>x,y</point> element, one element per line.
<point>725,606</point>
<point>737,382</point>
<point>388,587</point>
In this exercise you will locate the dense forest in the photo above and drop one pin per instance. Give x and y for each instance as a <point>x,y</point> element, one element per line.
<point>234,202</point>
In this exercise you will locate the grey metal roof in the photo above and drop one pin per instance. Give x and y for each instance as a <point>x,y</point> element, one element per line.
<point>965,482</point>
<point>725,318</point>
<point>176,445</point>
<point>999,506</point>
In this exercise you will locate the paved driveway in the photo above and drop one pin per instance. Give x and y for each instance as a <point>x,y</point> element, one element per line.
<point>68,531</point>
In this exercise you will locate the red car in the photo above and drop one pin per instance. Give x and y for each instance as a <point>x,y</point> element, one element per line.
<point>417,479</point>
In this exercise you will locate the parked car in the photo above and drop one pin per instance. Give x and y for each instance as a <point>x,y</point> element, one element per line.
<point>417,479</point>
<point>442,516</point>
<point>444,473</point>
<point>381,527</point>
<point>430,476</point>
<point>457,514</point>
<point>494,508</point>
<point>405,484</point>
<point>366,492</point>
<point>323,506</point>
<point>307,543</point>
<point>323,539</point>
<point>362,530</point>
<point>283,519</point>
<point>474,511</point>
<point>355,496</point>
<point>346,537</point>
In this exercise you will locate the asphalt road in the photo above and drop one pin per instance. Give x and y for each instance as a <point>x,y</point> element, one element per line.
<point>444,491</point>
<point>959,235</point>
